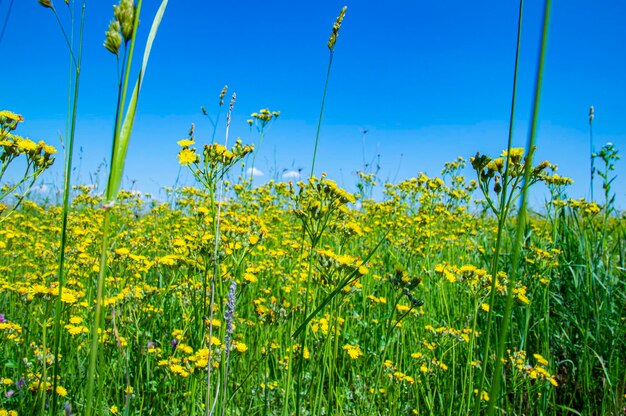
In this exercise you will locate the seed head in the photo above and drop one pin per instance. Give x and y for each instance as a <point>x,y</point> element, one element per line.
<point>232,102</point>
<point>46,3</point>
<point>113,39</point>
<point>591,114</point>
<point>223,94</point>
<point>229,314</point>
<point>336,27</point>
<point>125,14</point>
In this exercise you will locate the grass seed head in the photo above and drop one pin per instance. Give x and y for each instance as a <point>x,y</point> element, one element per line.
<point>333,35</point>
<point>113,39</point>
<point>125,14</point>
<point>46,3</point>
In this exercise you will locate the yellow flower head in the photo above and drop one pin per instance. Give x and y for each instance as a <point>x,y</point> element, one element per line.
<point>353,351</point>
<point>185,142</point>
<point>10,117</point>
<point>187,157</point>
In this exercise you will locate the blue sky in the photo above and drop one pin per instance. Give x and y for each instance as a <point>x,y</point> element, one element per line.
<point>430,80</point>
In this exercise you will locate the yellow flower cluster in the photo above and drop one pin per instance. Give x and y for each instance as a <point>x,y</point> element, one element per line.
<point>538,372</point>
<point>353,351</point>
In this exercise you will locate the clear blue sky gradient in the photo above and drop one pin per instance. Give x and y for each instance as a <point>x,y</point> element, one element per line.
<point>430,80</point>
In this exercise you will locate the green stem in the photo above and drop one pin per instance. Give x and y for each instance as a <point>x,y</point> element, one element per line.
<point>521,218</point>
<point>591,158</point>
<point>304,332</point>
<point>256,150</point>
<point>97,314</point>
<point>66,196</point>
<point>319,121</point>
<point>42,381</point>
<point>67,40</point>
<point>502,215</point>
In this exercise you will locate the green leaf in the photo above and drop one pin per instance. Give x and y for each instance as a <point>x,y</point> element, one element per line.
<point>121,142</point>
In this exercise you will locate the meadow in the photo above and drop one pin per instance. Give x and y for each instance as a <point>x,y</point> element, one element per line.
<point>447,295</point>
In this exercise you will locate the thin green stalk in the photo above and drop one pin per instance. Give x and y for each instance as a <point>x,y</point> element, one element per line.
<point>44,373</point>
<point>521,218</point>
<point>294,301</point>
<point>332,40</point>
<point>97,314</point>
<point>58,334</point>
<point>209,408</point>
<point>6,21</point>
<point>502,215</point>
<point>217,221</point>
<point>216,268</point>
<point>67,40</point>
<point>256,150</point>
<point>591,152</point>
<point>319,121</point>
<point>300,358</point>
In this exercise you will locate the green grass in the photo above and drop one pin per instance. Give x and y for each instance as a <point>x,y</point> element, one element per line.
<point>418,356</point>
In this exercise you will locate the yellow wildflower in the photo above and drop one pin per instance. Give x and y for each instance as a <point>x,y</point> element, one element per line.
<point>185,142</point>
<point>187,157</point>
<point>353,351</point>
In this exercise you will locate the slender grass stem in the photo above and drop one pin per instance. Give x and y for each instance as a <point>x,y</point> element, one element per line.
<point>67,40</point>
<point>64,217</point>
<point>216,265</point>
<point>97,321</point>
<point>521,216</point>
<point>592,170</point>
<point>501,215</point>
<point>319,121</point>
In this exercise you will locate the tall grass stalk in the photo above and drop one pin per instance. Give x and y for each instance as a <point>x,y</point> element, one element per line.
<point>73,88</point>
<point>502,216</point>
<point>332,40</point>
<point>331,47</point>
<point>121,138</point>
<point>216,268</point>
<point>521,218</point>
<point>592,170</point>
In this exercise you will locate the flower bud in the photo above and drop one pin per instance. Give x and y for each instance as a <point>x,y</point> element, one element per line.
<point>46,3</point>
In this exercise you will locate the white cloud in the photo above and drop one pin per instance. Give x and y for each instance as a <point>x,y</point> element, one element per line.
<point>291,174</point>
<point>255,172</point>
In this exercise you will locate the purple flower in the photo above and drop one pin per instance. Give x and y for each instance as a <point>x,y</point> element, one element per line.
<point>9,393</point>
<point>151,344</point>
<point>229,314</point>
<point>20,383</point>
<point>68,409</point>
<point>174,343</point>
<point>2,318</point>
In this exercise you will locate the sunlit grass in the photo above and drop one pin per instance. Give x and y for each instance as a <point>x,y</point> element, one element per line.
<point>404,334</point>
